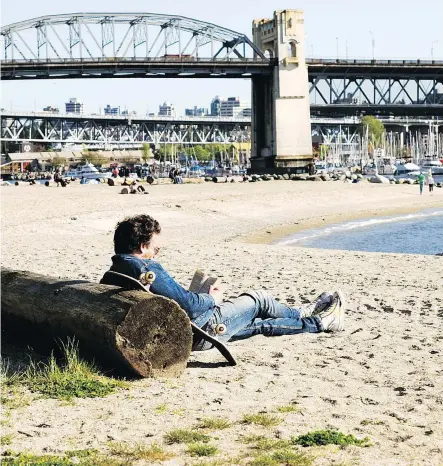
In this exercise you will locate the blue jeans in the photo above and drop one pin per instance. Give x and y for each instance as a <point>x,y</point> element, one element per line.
<point>257,312</point>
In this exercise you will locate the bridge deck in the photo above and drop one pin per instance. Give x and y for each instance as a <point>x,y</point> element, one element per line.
<point>378,69</point>
<point>206,68</point>
<point>207,120</point>
<point>134,68</point>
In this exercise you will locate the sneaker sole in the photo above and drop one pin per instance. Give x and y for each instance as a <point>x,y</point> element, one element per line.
<point>341,297</point>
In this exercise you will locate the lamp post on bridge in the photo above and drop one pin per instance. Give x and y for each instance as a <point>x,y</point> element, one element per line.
<point>337,46</point>
<point>432,48</point>
<point>373,45</point>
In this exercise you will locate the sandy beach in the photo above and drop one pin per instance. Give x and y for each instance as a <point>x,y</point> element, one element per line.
<point>382,378</point>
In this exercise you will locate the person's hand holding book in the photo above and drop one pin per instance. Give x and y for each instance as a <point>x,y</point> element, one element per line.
<point>216,292</point>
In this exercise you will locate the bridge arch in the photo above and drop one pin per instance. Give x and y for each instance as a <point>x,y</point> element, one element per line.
<point>123,36</point>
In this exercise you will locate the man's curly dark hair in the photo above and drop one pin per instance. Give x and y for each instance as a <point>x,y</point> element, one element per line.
<point>132,232</point>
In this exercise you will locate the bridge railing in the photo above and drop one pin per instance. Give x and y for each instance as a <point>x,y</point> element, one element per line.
<point>209,119</point>
<point>85,116</point>
<point>342,61</point>
<point>165,60</point>
<point>390,119</point>
<point>187,59</point>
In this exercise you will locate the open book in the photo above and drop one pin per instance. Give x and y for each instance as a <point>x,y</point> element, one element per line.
<point>201,282</point>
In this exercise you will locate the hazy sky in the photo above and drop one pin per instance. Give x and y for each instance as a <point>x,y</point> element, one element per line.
<point>402,29</point>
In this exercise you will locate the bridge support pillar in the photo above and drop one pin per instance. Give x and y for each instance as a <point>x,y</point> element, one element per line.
<point>281,125</point>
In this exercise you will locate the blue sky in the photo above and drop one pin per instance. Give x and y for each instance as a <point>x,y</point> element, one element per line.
<point>401,28</point>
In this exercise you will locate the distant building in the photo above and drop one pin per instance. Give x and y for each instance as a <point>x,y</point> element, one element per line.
<point>74,106</point>
<point>111,110</point>
<point>216,106</point>
<point>51,109</point>
<point>234,107</point>
<point>247,112</point>
<point>166,109</point>
<point>128,113</point>
<point>196,111</point>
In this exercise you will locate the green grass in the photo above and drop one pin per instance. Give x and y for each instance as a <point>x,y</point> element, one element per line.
<point>6,439</point>
<point>221,462</point>
<point>139,451</point>
<point>214,423</point>
<point>178,412</point>
<point>74,378</point>
<point>8,377</point>
<point>104,461</point>
<point>12,392</point>
<point>81,453</point>
<point>291,408</point>
<point>265,420</point>
<point>372,422</point>
<point>282,457</point>
<point>329,437</point>
<point>14,398</point>
<point>202,449</point>
<point>185,436</point>
<point>34,460</point>
<point>263,443</point>
<point>26,459</point>
<point>160,409</point>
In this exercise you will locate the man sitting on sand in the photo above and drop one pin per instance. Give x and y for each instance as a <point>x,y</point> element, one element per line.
<point>135,189</point>
<point>137,244</point>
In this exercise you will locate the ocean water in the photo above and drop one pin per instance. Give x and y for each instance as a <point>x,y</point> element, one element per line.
<point>418,233</point>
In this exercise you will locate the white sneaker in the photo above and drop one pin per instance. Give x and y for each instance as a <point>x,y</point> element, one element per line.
<point>333,317</point>
<point>317,306</point>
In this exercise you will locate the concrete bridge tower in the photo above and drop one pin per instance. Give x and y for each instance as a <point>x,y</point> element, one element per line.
<point>281,125</point>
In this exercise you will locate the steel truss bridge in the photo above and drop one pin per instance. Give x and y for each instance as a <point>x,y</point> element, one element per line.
<point>97,45</point>
<point>134,130</point>
<point>396,87</point>
<point>148,45</point>
<point>122,130</point>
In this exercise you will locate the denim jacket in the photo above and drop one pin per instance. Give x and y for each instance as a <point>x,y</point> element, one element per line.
<point>198,306</point>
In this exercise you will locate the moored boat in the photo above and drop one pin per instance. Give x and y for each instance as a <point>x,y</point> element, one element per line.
<point>87,171</point>
<point>407,169</point>
<point>435,165</point>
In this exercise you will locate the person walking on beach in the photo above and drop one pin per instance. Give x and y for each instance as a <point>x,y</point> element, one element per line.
<point>430,182</point>
<point>421,182</point>
<point>137,244</point>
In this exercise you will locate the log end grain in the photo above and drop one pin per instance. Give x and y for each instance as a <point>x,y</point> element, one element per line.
<point>155,338</point>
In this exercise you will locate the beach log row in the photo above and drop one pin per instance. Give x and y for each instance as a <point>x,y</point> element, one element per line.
<point>148,334</point>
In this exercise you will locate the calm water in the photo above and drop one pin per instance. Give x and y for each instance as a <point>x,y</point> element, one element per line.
<point>420,233</point>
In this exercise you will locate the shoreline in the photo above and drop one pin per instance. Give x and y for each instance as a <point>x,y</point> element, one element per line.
<point>273,235</point>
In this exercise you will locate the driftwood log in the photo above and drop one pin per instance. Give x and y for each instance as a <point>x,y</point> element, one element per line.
<point>148,334</point>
